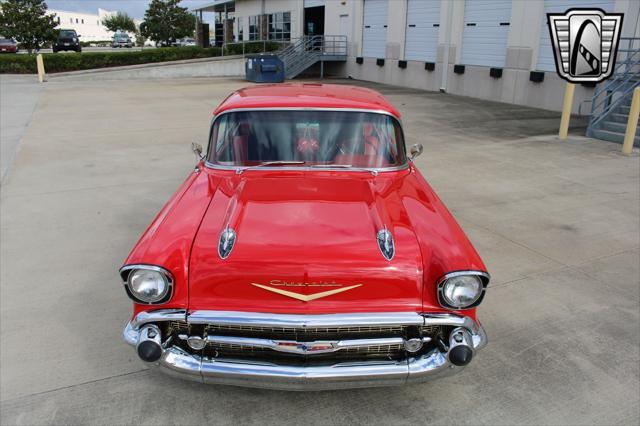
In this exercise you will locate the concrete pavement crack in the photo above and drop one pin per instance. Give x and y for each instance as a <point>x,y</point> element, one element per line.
<point>73,386</point>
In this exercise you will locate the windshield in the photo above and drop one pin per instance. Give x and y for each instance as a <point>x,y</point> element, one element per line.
<point>307,138</point>
<point>67,33</point>
<point>6,41</point>
<point>122,37</point>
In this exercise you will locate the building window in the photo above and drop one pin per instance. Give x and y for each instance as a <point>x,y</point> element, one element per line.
<point>280,26</point>
<point>240,29</point>
<point>254,27</point>
<point>83,21</point>
<point>76,20</point>
<point>58,19</point>
<point>71,20</point>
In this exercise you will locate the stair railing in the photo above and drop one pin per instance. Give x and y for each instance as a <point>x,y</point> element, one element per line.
<point>625,78</point>
<point>307,50</point>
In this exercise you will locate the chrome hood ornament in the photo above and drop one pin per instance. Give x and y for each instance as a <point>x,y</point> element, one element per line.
<point>227,240</point>
<point>385,243</point>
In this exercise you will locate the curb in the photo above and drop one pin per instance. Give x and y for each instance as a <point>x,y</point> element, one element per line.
<point>141,66</point>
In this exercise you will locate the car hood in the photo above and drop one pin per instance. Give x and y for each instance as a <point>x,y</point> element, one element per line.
<point>306,243</point>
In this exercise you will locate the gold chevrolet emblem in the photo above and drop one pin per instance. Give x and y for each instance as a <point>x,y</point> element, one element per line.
<point>306,297</point>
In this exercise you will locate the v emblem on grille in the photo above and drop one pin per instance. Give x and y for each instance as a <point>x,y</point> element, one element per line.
<point>306,297</point>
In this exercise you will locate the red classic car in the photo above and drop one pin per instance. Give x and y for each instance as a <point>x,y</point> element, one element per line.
<point>305,251</point>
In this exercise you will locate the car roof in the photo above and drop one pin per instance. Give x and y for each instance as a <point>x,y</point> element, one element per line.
<point>307,95</point>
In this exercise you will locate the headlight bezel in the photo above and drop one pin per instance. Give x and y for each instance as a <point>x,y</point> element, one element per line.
<point>442,300</point>
<point>126,273</point>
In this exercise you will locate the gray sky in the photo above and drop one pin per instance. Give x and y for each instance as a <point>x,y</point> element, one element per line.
<point>134,8</point>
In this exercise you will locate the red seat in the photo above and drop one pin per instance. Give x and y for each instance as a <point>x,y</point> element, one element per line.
<point>241,143</point>
<point>361,160</point>
<point>371,142</point>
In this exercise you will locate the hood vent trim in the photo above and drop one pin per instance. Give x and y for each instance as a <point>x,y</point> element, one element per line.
<point>386,244</point>
<point>226,242</point>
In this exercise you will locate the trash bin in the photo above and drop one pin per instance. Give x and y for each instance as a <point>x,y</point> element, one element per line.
<point>264,69</point>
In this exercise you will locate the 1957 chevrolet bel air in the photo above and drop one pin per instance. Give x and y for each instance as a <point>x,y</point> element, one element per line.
<point>305,251</point>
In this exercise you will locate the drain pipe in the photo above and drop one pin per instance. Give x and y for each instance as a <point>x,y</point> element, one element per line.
<point>445,62</point>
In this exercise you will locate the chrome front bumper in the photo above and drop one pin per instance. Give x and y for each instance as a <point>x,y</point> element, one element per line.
<point>177,362</point>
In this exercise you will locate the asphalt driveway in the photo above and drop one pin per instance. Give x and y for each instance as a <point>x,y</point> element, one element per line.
<point>557,223</point>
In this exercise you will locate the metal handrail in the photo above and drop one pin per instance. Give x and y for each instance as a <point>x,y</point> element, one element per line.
<point>626,77</point>
<point>617,83</point>
<point>307,50</point>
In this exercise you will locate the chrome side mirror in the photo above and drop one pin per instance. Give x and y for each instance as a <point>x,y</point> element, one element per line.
<point>197,150</point>
<point>416,150</point>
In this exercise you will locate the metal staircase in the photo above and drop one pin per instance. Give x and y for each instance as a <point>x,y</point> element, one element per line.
<point>306,51</point>
<point>612,100</point>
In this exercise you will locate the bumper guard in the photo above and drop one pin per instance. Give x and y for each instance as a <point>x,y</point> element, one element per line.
<point>179,363</point>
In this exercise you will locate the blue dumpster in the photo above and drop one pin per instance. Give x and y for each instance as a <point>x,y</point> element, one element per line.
<point>264,69</point>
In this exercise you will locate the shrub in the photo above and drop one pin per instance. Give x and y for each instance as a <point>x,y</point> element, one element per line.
<point>59,62</point>
<point>251,47</point>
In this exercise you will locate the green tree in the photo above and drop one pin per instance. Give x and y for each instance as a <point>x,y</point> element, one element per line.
<point>140,39</point>
<point>165,21</point>
<point>119,22</point>
<point>27,22</point>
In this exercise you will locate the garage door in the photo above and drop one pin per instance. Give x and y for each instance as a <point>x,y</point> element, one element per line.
<point>423,26</point>
<point>486,28</point>
<point>546,62</point>
<point>374,33</point>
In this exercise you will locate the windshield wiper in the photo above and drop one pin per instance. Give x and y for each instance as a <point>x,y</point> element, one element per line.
<point>331,166</point>
<point>270,163</point>
<point>344,166</point>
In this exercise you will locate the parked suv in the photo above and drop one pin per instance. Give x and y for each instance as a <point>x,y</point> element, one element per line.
<point>67,40</point>
<point>121,40</point>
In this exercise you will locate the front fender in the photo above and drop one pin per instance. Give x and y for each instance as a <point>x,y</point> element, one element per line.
<point>168,239</point>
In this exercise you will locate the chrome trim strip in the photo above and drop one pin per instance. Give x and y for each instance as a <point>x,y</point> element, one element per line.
<point>484,276</point>
<point>311,169</point>
<point>214,166</point>
<point>259,319</point>
<point>300,321</point>
<point>303,348</point>
<point>145,266</point>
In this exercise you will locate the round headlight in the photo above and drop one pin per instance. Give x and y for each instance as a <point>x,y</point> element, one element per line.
<point>461,291</point>
<point>148,285</point>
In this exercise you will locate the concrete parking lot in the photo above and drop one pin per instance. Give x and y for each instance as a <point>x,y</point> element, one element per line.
<point>557,223</point>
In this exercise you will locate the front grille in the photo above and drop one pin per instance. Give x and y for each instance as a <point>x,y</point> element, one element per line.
<point>235,348</point>
<point>306,334</point>
<point>301,335</point>
<point>377,349</point>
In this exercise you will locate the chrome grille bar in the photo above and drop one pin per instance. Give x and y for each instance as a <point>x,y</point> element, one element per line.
<point>256,319</point>
<point>308,348</point>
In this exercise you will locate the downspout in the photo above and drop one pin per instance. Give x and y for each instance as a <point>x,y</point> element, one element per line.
<point>445,61</point>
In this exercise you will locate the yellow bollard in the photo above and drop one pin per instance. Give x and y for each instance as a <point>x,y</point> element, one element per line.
<point>566,110</point>
<point>632,123</point>
<point>40,64</point>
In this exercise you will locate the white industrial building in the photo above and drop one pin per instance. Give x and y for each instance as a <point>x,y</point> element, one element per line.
<point>87,25</point>
<point>412,42</point>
